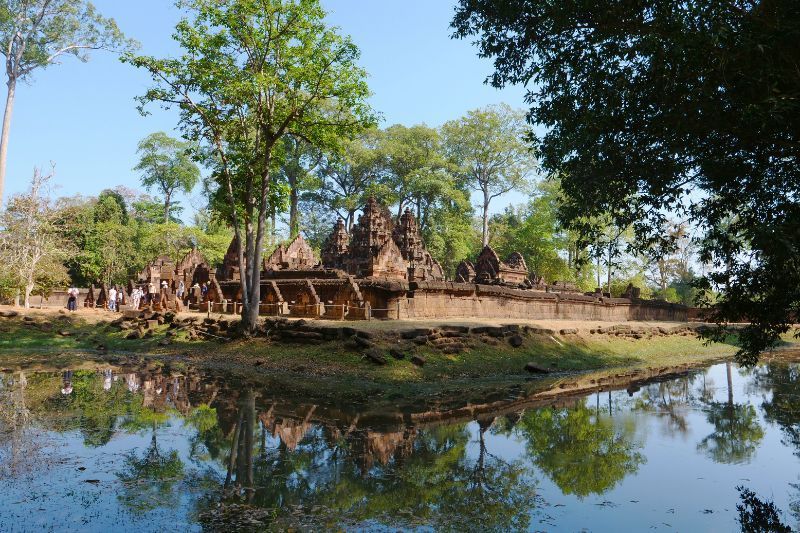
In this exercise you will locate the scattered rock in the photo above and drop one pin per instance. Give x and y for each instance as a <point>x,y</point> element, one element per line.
<point>301,336</point>
<point>361,342</point>
<point>133,335</point>
<point>8,314</point>
<point>453,348</point>
<point>515,341</point>
<point>493,331</point>
<point>152,324</point>
<point>28,319</point>
<point>165,342</point>
<point>536,369</point>
<point>397,354</point>
<point>418,360</point>
<point>420,340</point>
<point>376,356</point>
<point>568,331</point>
<point>65,333</point>
<point>414,333</point>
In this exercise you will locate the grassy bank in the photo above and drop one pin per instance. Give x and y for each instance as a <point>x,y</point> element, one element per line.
<point>49,336</point>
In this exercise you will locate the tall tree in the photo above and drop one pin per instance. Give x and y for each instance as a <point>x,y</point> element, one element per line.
<point>30,245</point>
<point>300,160</point>
<point>253,73</point>
<point>347,176</point>
<point>660,109</point>
<point>166,164</point>
<point>488,147</point>
<point>35,34</point>
<point>416,173</point>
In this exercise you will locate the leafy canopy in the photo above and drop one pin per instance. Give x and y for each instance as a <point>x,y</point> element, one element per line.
<point>659,109</point>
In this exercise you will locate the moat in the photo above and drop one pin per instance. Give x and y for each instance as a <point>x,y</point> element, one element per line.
<point>190,449</point>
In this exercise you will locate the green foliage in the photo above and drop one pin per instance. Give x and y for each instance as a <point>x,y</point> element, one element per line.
<point>449,234</point>
<point>489,154</point>
<point>581,452</point>
<point>166,164</point>
<point>40,32</point>
<point>757,515</point>
<point>535,232</point>
<point>113,245</point>
<point>251,75</point>
<point>656,110</point>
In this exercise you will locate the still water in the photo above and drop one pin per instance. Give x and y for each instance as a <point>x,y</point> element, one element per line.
<point>158,450</point>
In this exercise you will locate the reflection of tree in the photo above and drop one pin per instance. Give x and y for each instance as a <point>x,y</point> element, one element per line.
<point>781,382</point>
<point>737,432</point>
<point>582,453</point>
<point>149,481</point>
<point>430,479</point>
<point>669,401</point>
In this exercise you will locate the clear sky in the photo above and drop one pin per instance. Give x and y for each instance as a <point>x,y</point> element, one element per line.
<point>83,117</point>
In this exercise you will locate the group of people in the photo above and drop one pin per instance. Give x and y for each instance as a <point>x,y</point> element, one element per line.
<point>116,295</point>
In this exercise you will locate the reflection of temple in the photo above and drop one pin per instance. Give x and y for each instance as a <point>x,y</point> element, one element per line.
<point>383,270</point>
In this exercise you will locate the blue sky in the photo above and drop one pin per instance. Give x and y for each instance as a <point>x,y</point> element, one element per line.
<point>83,118</point>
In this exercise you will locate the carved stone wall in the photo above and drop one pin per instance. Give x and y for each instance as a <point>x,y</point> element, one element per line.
<point>336,247</point>
<point>421,266</point>
<point>490,269</point>
<point>297,255</point>
<point>373,252</point>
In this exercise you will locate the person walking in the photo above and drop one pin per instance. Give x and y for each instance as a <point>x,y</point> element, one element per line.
<point>151,293</point>
<point>136,298</point>
<point>203,291</point>
<point>72,299</point>
<point>120,298</point>
<point>112,298</point>
<point>181,290</point>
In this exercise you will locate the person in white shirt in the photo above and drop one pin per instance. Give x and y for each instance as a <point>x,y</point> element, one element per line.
<point>112,299</point>
<point>72,300</point>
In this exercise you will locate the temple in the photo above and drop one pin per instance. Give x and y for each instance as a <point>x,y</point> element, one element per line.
<point>383,270</point>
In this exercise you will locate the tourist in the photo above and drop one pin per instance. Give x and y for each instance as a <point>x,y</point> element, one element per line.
<point>181,290</point>
<point>112,298</point>
<point>72,299</point>
<point>120,298</point>
<point>136,298</point>
<point>151,293</point>
<point>66,390</point>
<point>107,377</point>
<point>203,291</point>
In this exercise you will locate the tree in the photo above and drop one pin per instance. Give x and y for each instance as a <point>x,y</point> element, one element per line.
<point>35,34</point>
<point>253,73</point>
<point>662,109</point>
<point>347,177</point>
<point>299,162</point>
<point>487,146</point>
<point>416,171</point>
<point>535,232</point>
<point>30,245</point>
<point>166,165</point>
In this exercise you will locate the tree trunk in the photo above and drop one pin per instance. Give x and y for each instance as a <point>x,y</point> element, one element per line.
<point>167,199</point>
<point>485,218</point>
<point>28,290</point>
<point>730,384</point>
<point>294,214</point>
<point>251,306</point>
<point>12,87</point>
<point>609,268</point>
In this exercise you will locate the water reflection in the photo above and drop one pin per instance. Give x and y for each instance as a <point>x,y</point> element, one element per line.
<point>207,450</point>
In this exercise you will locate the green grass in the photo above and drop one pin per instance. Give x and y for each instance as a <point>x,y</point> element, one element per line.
<point>345,363</point>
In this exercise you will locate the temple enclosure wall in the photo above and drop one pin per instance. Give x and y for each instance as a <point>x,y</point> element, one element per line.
<point>494,302</point>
